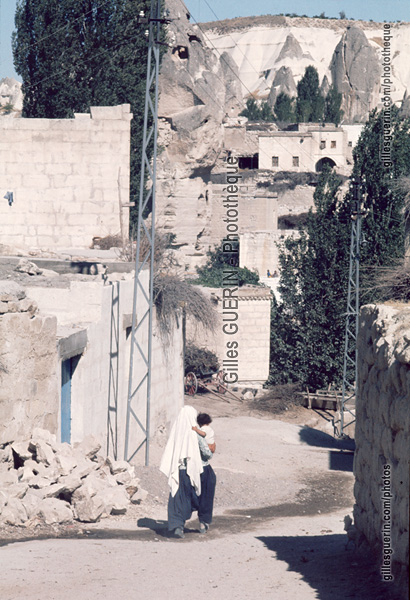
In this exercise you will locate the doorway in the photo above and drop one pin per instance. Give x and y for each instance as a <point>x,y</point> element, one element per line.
<point>68,367</point>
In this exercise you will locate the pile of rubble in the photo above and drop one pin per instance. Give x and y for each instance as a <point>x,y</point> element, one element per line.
<point>51,482</point>
<point>13,299</point>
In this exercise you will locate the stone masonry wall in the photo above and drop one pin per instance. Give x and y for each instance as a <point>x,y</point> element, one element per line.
<point>381,463</point>
<point>28,365</point>
<point>252,310</point>
<point>68,178</point>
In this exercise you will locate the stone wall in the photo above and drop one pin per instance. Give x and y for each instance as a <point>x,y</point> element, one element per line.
<point>28,365</point>
<point>195,212</point>
<point>381,466</point>
<point>258,250</point>
<point>251,340</point>
<point>90,323</point>
<point>68,178</point>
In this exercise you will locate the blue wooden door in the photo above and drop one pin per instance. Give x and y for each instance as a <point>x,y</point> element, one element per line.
<point>66,374</point>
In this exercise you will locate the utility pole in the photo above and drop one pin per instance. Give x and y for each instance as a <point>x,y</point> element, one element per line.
<point>350,378</point>
<point>139,382</point>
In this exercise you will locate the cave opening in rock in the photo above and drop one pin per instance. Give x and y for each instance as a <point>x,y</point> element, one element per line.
<point>182,52</point>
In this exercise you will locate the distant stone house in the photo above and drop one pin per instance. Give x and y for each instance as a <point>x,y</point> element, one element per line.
<point>306,148</point>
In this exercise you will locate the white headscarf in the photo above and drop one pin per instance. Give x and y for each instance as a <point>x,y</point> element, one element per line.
<point>183,444</point>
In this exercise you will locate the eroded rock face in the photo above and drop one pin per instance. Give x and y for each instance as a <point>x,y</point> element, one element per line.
<point>282,83</point>
<point>356,74</point>
<point>11,94</point>
<point>197,89</point>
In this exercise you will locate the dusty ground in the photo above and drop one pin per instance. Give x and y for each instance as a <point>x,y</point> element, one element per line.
<point>283,489</point>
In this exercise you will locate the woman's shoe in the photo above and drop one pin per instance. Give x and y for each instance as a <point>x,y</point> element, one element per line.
<point>203,527</point>
<point>179,532</point>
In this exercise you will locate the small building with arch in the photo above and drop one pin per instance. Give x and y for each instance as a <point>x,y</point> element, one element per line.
<point>305,147</point>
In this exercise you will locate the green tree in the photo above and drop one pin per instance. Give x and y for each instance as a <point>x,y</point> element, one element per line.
<point>284,109</point>
<point>308,325</point>
<point>266,113</point>
<point>333,101</point>
<point>219,264</point>
<point>75,54</point>
<point>383,200</point>
<point>307,335</point>
<point>252,110</point>
<point>309,101</point>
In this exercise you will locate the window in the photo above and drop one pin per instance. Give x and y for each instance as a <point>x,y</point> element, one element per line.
<point>350,144</point>
<point>275,161</point>
<point>295,161</point>
<point>322,145</point>
<point>333,144</point>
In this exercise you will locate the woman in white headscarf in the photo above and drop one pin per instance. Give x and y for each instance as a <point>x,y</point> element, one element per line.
<point>182,464</point>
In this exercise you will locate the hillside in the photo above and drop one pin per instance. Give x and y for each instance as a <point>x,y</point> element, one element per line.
<point>272,52</point>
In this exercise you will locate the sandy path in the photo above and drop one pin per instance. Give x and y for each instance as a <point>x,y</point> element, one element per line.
<point>277,534</point>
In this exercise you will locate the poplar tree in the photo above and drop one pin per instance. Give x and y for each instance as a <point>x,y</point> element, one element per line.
<point>284,108</point>
<point>333,101</point>
<point>73,54</point>
<point>308,325</point>
<point>309,101</point>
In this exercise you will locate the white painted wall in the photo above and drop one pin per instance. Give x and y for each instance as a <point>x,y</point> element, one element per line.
<point>101,376</point>
<point>306,146</point>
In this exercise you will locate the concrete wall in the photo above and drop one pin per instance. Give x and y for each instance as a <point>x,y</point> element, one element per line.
<point>29,380</point>
<point>381,466</point>
<point>252,337</point>
<point>68,178</point>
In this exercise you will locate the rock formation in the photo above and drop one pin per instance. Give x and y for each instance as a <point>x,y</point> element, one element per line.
<point>405,106</point>
<point>263,45</point>
<point>356,74</point>
<point>282,83</point>
<point>198,90</point>
<point>292,49</point>
<point>11,95</point>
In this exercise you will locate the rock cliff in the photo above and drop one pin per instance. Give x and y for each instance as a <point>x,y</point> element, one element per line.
<point>346,54</point>
<point>199,89</point>
<point>355,73</point>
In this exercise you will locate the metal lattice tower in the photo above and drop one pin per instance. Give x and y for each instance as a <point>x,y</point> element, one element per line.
<point>139,382</point>
<point>349,388</point>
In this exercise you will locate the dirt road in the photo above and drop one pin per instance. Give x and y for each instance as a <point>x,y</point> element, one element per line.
<point>282,492</point>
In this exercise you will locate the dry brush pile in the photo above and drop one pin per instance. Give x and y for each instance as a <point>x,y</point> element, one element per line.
<point>42,480</point>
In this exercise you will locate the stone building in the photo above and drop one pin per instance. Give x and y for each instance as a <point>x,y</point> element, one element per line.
<point>243,329</point>
<point>307,148</point>
<point>65,366</point>
<point>67,180</point>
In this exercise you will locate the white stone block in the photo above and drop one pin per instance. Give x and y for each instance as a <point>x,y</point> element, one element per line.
<point>14,512</point>
<point>53,511</point>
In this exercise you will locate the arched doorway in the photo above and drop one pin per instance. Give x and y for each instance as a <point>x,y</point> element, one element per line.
<point>322,162</point>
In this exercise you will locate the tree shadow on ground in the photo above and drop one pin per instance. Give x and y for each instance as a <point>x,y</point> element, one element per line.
<point>326,566</point>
